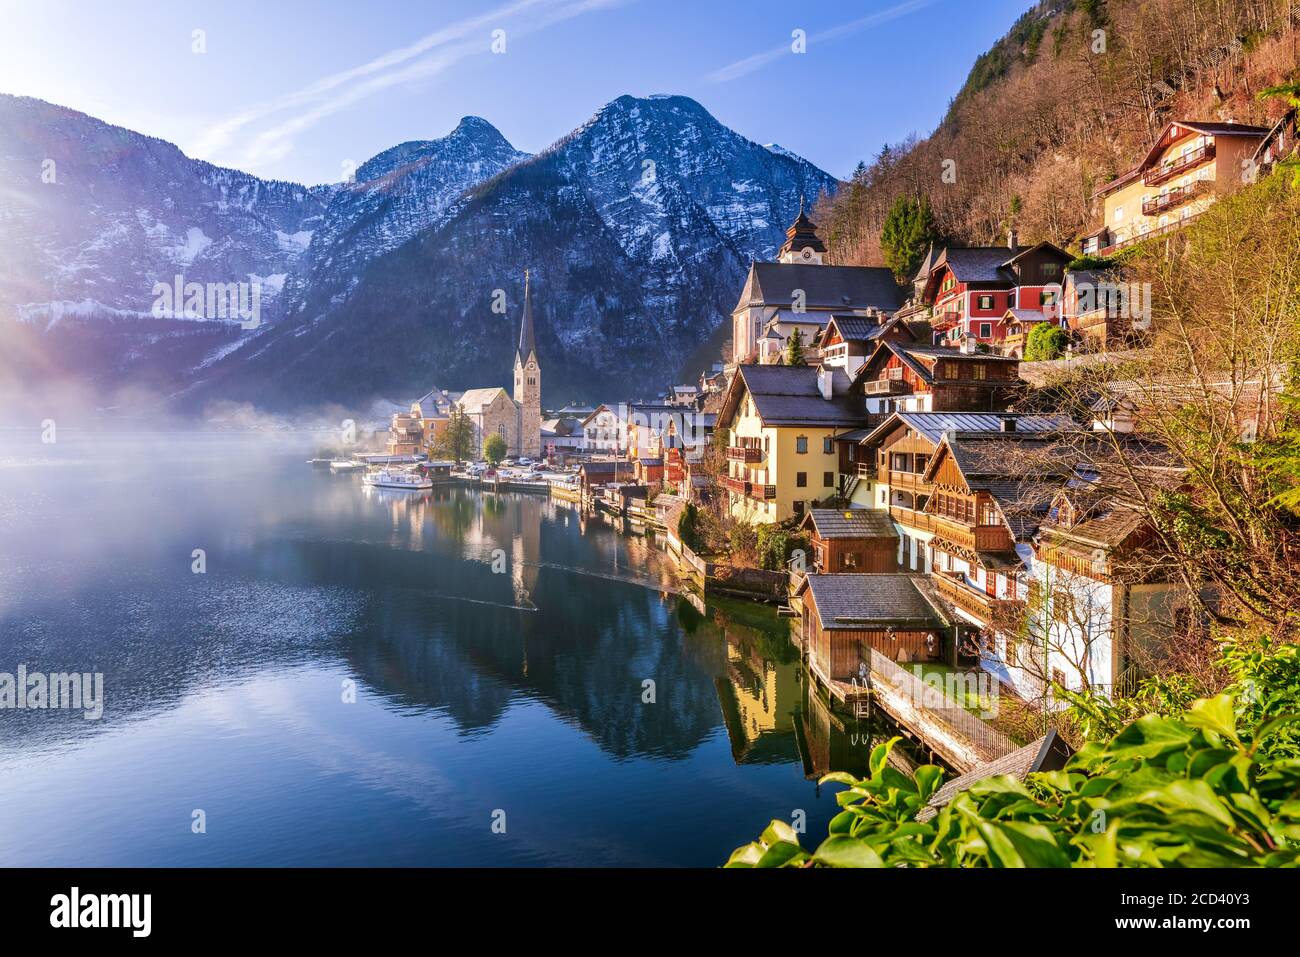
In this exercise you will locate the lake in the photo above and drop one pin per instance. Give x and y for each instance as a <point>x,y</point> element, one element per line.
<point>298,670</point>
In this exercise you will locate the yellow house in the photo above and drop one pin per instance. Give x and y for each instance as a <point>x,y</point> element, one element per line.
<point>1190,166</point>
<point>781,454</point>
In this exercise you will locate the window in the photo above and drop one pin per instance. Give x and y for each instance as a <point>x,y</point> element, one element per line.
<point>1062,605</point>
<point>986,331</point>
<point>828,479</point>
<point>828,445</point>
<point>801,444</point>
<point>801,479</point>
<point>767,444</point>
<point>986,302</point>
<point>1051,269</point>
<point>882,496</point>
<point>1119,214</point>
<point>849,560</point>
<point>1047,297</point>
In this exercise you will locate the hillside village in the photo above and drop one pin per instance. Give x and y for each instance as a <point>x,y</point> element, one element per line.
<point>879,459</point>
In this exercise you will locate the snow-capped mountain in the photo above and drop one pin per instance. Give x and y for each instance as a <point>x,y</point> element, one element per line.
<point>638,227</point>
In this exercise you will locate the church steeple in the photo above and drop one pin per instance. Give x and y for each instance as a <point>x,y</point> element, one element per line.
<point>528,381</point>
<point>527,341</point>
<point>801,242</point>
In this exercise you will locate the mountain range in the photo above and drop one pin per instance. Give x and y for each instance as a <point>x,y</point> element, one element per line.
<point>638,228</point>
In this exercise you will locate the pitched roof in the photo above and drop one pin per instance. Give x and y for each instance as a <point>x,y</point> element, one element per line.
<point>789,395</point>
<point>473,400</point>
<point>850,523</point>
<point>434,404</point>
<point>911,355</point>
<point>1166,139</point>
<point>802,234</point>
<point>845,288</point>
<point>853,601</point>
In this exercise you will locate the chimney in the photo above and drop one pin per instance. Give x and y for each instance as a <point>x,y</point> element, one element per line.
<point>824,377</point>
<point>968,346</point>
<point>1008,423</point>
<point>1013,240</point>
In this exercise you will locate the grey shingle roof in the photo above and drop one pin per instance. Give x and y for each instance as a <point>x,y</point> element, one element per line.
<point>858,601</point>
<point>978,263</point>
<point>825,287</point>
<point>851,523</point>
<point>788,395</point>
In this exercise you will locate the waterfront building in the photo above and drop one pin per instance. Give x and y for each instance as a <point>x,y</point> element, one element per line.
<point>851,540</point>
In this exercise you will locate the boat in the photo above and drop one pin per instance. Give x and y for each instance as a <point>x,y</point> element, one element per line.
<point>346,465</point>
<point>319,463</point>
<point>388,478</point>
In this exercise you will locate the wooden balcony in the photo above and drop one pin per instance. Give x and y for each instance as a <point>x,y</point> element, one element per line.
<point>979,605</point>
<point>908,481</point>
<point>912,518</point>
<point>886,387</point>
<point>1167,171</point>
<point>739,486</point>
<point>866,470</point>
<point>979,538</point>
<point>746,454</point>
<point>1174,197</point>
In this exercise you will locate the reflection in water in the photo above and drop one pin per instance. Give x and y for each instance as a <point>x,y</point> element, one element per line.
<point>498,645</point>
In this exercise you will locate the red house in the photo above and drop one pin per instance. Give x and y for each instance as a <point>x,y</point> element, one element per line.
<point>969,289</point>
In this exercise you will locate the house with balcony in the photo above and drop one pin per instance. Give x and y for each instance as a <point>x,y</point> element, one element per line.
<point>893,459</point>
<point>799,291</point>
<point>970,288</point>
<point>1190,165</point>
<point>603,433</point>
<point>901,377</point>
<point>848,341</point>
<point>782,423</point>
<point>417,430</point>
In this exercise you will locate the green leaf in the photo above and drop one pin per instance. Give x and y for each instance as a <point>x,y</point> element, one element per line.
<point>1215,714</point>
<point>847,852</point>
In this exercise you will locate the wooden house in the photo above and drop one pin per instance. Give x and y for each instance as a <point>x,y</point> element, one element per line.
<point>845,614</point>
<point>910,378</point>
<point>852,540</point>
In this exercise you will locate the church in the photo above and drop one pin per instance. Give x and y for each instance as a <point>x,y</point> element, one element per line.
<point>516,418</point>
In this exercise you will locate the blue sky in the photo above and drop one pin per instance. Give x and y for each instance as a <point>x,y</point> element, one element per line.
<point>298,90</point>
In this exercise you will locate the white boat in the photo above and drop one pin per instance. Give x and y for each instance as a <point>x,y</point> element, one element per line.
<point>346,465</point>
<point>387,478</point>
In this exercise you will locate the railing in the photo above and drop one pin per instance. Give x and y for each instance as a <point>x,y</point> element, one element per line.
<point>981,538</point>
<point>930,701</point>
<point>866,470</point>
<point>886,387</point>
<point>1186,161</point>
<point>912,518</point>
<point>976,603</point>
<point>762,491</point>
<point>1149,234</point>
<point>913,481</point>
<point>1174,197</point>
<point>739,486</point>
<point>744,453</point>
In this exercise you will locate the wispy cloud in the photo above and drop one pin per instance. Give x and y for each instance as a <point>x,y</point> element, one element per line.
<point>749,64</point>
<point>249,142</point>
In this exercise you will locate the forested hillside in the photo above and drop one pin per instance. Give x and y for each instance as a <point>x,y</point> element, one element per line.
<point>1068,99</point>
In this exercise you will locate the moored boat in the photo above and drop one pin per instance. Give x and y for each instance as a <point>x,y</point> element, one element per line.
<point>346,465</point>
<point>389,478</point>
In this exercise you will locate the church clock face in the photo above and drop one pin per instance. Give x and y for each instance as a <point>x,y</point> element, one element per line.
<point>806,254</point>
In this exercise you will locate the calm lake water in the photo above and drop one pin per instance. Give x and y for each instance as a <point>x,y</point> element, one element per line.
<point>478,690</point>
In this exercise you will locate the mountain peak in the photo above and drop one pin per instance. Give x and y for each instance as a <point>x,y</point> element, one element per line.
<point>472,132</point>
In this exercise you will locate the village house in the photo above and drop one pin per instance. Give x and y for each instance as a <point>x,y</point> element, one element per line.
<point>799,292</point>
<point>921,378</point>
<point>848,341</point>
<point>851,540</point>
<point>895,615</point>
<point>783,422</point>
<point>418,430</point>
<point>602,432</point>
<point>969,289</point>
<point>1191,165</point>
<point>1102,313</point>
<point>892,461</point>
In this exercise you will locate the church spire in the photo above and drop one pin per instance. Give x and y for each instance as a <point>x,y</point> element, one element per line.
<point>527,341</point>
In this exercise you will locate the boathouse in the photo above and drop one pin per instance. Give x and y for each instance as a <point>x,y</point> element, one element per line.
<point>852,540</point>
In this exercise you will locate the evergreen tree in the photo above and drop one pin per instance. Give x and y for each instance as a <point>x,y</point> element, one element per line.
<point>908,232</point>
<point>794,349</point>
